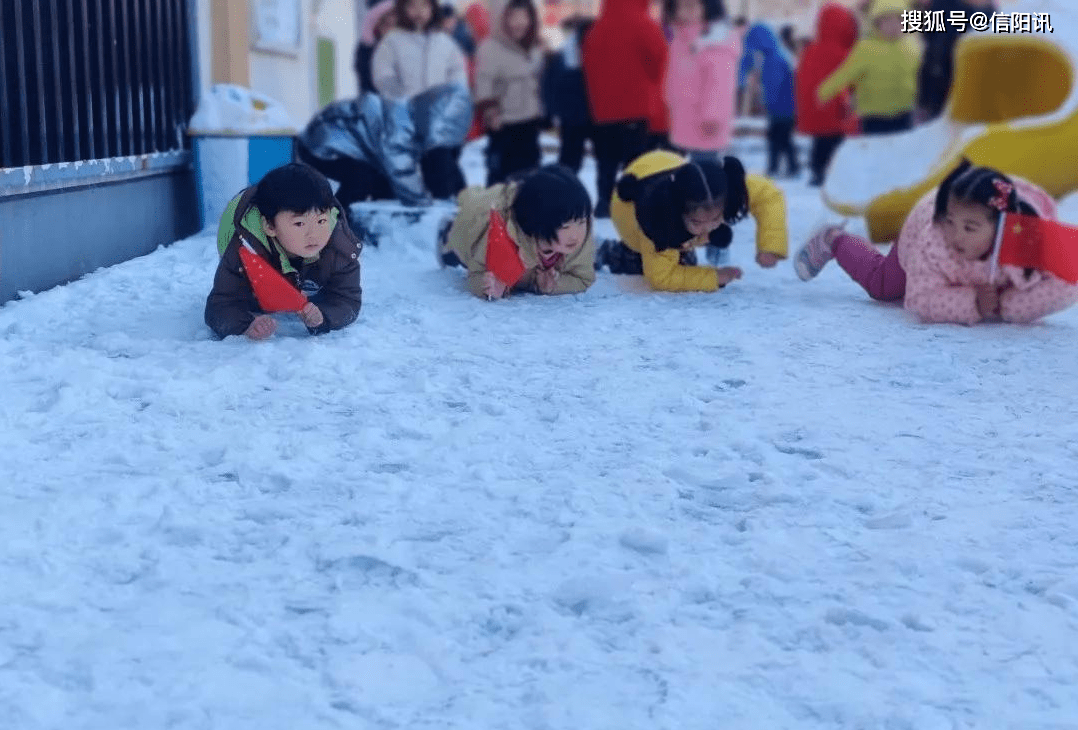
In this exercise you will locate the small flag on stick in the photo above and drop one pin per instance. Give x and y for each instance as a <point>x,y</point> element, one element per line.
<point>1029,242</point>
<point>272,290</point>
<point>503,258</point>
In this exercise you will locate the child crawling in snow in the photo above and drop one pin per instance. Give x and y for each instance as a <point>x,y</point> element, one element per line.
<point>665,206</point>
<point>295,224</point>
<point>548,216</point>
<point>940,266</point>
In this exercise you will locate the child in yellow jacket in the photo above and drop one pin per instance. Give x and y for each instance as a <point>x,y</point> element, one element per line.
<point>882,70</point>
<point>665,206</point>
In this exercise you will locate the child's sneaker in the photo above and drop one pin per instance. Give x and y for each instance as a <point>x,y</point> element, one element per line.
<point>817,251</point>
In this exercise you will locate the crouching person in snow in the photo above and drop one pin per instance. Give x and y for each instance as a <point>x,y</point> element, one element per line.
<point>665,206</point>
<point>547,215</point>
<point>292,222</point>
<point>941,265</point>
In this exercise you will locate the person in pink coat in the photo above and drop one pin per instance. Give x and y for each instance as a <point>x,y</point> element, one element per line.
<point>941,265</point>
<point>700,87</point>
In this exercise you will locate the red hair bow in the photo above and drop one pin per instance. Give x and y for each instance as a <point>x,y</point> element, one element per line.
<point>1000,202</point>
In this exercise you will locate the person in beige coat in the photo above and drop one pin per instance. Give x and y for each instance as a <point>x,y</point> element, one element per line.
<point>508,68</point>
<point>548,215</point>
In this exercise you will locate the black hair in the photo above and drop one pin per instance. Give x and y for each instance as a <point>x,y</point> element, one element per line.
<point>682,190</point>
<point>548,198</point>
<point>446,11</point>
<point>971,183</point>
<point>405,23</point>
<point>294,187</point>
<point>713,10</point>
<point>737,190</point>
<point>532,37</point>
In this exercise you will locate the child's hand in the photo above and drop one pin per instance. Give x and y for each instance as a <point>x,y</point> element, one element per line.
<point>311,315</point>
<point>767,259</point>
<point>493,286</point>
<point>262,327</point>
<point>546,280</point>
<point>492,118</point>
<point>988,301</point>
<point>728,274</point>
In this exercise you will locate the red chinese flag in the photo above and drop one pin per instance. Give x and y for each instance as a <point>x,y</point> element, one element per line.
<point>272,290</point>
<point>1035,243</point>
<point>503,259</point>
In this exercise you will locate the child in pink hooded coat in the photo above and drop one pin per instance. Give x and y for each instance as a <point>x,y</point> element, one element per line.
<point>701,78</point>
<point>941,264</point>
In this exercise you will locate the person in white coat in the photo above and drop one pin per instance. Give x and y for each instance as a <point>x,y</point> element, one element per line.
<point>415,56</point>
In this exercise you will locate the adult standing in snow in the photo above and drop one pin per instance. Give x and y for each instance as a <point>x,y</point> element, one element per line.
<point>625,56</point>
<point>836,34</point>
<point>766,54</point>
<point>940,267</point>
<point>565,95</point>
<point>934,77</point>
<point>701,79</point>
<point>507,76</point>
<point>413,57</point>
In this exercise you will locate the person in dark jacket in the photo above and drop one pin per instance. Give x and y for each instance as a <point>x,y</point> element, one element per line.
<point>565,96</point>
<point>377,21</point>
<point>937,64</point>
<point>293,222</point>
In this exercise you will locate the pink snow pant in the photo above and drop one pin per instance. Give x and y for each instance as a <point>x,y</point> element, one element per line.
<point>881,276</point>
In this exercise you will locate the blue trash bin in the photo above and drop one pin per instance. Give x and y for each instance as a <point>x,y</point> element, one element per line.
<point>225,163</point>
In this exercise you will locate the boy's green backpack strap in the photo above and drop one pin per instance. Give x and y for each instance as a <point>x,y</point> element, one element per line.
<point>232,218</point>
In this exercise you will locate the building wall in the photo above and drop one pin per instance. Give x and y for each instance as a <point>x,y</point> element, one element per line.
<point>229,52</point>
<point>336,19</point>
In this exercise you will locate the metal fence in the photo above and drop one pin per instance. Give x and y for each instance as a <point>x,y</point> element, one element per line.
<point>92,79</point>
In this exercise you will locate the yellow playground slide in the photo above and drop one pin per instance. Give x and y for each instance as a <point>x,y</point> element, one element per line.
<point>1013,106</point>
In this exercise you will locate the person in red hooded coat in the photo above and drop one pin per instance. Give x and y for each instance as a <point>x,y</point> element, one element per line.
<point>477,21</point>
<point>827,124</point>
<point>625,56</point>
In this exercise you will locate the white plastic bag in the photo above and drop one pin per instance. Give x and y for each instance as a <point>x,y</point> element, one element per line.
<point>231,109</point>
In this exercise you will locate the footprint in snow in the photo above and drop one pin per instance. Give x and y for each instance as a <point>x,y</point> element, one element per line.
<point>366,570</point>
<point>853,617</point>
<point>644,541</point>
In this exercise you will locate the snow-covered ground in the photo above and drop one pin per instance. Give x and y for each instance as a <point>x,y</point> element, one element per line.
<point>776,506</point>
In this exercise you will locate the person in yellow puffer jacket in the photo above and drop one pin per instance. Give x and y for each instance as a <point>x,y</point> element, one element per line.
<point>882,70</point>
<point>665,205</point>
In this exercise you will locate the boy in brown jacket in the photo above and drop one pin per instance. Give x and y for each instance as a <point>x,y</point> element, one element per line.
<point>291,219</point>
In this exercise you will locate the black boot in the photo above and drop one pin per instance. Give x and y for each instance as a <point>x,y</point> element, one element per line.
<point>447,258</point>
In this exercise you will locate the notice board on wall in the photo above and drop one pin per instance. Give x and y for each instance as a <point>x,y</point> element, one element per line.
<point>276,26</point>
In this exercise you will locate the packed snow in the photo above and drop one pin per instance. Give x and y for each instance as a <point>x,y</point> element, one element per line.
<point>776,506</point>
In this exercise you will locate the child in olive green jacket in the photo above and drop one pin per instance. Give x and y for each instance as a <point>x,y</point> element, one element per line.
<point>882,71</point>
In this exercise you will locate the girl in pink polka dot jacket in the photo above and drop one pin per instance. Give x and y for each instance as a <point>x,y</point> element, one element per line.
<point>940,266</point>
